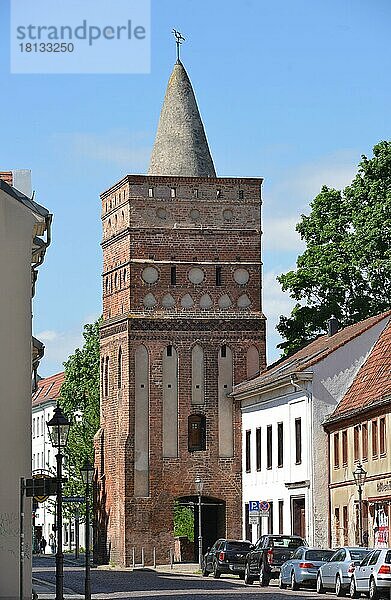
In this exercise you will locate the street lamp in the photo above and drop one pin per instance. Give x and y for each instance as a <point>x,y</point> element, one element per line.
<point>87,474</point>
<point>360,476</point>
<point>58,428</point>
<point>199,484</point>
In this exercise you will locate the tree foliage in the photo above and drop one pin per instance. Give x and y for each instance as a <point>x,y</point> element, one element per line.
<point>184,521</point>
<point>80,402</point>
<point>346,268</point>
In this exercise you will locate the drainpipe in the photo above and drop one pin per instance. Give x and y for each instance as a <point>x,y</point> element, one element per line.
<point>310,458</point>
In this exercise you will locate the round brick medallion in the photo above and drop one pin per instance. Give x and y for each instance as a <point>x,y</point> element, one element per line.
<point>150,275</point>
<point>196,275</point>
<point>241,276</point>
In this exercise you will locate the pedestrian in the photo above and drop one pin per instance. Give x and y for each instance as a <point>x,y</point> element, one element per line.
<point>52,543</point>
<point>43,545</point>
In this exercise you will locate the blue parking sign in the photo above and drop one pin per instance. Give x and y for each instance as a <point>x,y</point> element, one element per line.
<point>253,505</point>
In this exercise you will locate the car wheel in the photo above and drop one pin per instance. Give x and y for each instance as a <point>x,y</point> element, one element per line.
<point>352,589</point>
<point>216,572</point>
<point>294,584</point>
<point>248,580</point>
<point>319,584</point>
<point>263,578</point>
<point>373,593</point>
<point>281,584</point>
<point>339,591</point>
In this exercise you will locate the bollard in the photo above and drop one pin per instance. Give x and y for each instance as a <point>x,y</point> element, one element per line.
<point>142,557</point>
<point>134,557</point>
<point>154,557</point>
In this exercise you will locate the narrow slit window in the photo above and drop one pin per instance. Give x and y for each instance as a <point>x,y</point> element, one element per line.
<point>196,433</point>
<point>258,440</point>
<point>248,451</point>
<point>269,447</point>
<point>173,276</point>
<point>280,444</point>
<point>173,192</point>
<point>298,443</point>
<point>219,281</point>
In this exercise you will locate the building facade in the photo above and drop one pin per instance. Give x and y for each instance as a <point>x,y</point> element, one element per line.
<point>359,433</point>
<point>285,460</point>
<point>183,323</point>
<point>24,237</point>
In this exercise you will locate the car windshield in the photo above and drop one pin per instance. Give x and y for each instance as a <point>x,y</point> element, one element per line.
<point>286,542</point>
<point>319,554</point>
<point>388,557</point>
<point>245,546</point>
<point>358,554</point>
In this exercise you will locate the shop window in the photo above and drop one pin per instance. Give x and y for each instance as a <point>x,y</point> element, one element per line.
<point>280,517</point>
<point>196,433</point>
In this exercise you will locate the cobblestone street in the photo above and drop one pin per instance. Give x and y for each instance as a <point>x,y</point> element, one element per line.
<point>148,583</point>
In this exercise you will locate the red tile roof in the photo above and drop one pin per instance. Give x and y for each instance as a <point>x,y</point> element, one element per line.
<point>310,355</point>
<point>48,389</point>
<point>373,381</point>
<point>6,176</point>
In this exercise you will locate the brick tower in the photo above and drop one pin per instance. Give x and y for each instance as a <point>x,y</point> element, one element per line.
<point>182,323</point>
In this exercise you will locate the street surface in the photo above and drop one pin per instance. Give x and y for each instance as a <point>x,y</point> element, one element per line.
<point>162,585</point>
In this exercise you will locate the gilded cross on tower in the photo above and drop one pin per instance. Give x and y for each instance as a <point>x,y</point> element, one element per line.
<point>179,39</point>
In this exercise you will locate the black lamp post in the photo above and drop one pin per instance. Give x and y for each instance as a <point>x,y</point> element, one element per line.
<point>360,476</point>
<point>87,474</point>
<point>199,484</point>
<point>58,428</point>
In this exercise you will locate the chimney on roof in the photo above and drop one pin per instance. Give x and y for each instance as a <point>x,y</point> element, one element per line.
<point>332,325</point>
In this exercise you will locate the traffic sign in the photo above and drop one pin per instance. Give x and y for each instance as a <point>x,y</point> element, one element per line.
<point>253,506</point>
<point>253,520</point>
<point>264,506</point>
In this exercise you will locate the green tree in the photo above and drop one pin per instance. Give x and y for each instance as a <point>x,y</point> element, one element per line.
<point>346,268</point>
<point>183,521</point>
<point>80,402</point>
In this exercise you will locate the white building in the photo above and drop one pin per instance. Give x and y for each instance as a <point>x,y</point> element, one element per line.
<point>44,401</point>
<point>24,236</point>
<point>285,454</point>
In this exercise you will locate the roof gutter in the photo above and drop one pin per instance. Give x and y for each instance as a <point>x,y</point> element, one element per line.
<point>277,383</point>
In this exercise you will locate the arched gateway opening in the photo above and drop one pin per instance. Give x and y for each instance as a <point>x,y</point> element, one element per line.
<point>186,522</point>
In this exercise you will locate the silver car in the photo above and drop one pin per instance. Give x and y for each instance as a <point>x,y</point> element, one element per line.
<point>336,574</point>
<point>302,568</point>
<point>373,575</point>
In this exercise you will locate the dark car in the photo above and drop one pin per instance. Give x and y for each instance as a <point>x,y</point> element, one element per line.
<point>265,559</point>
<point>226,556</point>
<point>303,567</point>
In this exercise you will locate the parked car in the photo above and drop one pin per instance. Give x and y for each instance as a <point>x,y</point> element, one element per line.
<point>264,560</point>
<point>337,572</point>
<point>226,556</point>
<point>373,575</point>
<point>302,568</point>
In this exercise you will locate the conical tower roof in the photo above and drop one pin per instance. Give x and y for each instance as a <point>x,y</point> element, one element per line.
<point>181,148</point>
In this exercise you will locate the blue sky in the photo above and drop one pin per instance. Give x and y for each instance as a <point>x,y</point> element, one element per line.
<point>293,92</point>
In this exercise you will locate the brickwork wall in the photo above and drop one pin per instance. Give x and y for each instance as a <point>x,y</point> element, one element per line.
<point>132,242</point>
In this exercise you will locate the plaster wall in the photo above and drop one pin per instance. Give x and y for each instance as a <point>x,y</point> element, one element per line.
<point>16,226</point>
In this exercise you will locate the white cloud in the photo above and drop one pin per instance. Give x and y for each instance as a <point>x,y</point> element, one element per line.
<point>275,303</point>
<point>280,234</point>
<point>119,147</point>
